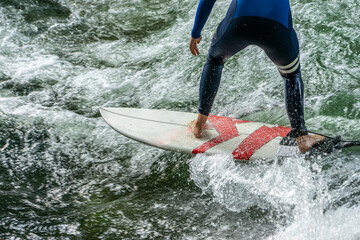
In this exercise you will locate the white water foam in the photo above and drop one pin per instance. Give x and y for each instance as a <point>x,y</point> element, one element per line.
<point>239,186</point>
<point>342,223</point>
<point>293,185</point>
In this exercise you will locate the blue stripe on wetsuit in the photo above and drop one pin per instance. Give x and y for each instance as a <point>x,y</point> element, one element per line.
<point>277,10</point>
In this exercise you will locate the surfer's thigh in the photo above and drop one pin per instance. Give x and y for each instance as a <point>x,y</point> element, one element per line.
<point>226,43</point>
<point>281,46</point>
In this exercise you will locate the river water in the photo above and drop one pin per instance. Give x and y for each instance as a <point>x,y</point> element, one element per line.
<point>65,174</point>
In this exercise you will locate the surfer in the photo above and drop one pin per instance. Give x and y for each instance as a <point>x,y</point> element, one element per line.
<point>264,23</point>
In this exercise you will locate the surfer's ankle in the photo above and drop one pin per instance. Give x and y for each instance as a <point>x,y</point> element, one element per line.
<point>196,128</point>
<point>201,119</point>
<point>306,142</point>
<point>197,131</point>
<point>198,125</point>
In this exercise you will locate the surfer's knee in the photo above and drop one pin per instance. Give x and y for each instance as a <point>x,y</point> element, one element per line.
<point>290,70</point>
<point>218,60</point>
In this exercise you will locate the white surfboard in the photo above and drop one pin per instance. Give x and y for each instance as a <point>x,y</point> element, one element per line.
<point>170,130</point>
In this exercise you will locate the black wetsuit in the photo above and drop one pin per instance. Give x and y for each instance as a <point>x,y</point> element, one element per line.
<point>247,24</point>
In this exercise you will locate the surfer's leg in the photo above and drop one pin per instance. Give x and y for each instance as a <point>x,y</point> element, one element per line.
<point>209,85</point>
<point>282,47</point>
<point>294,102</point>
<point>283,50</point>
<point>225,44</point>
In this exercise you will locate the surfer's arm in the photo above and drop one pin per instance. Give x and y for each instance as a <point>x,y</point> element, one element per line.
<point>202,14</point>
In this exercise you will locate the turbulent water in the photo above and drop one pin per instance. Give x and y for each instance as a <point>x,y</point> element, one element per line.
<point>65,174</point>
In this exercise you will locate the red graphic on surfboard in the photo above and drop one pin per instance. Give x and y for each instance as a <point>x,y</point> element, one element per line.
<point>227,130</point>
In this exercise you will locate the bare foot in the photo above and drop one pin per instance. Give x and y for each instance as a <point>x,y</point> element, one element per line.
<point>198,125</point>
<point>307,141</point>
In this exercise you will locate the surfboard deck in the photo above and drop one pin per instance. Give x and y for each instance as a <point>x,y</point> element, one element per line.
<point>170,130</point>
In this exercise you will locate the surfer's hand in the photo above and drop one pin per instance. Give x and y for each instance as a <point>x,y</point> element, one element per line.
<point>193,45</point>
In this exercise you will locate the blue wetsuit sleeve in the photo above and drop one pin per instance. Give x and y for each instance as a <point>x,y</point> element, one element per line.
<point>202,14</point>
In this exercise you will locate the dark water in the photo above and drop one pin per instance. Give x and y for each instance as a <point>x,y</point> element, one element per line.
<point>64,174</point>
